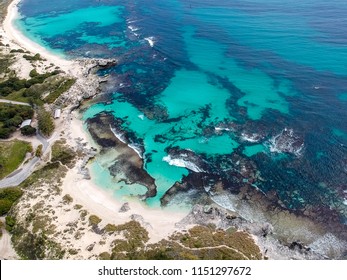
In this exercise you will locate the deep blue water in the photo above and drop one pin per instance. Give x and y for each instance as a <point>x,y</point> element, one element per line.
<point>265,80</point>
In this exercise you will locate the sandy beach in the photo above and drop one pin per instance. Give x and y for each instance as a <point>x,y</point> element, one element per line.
<point>17,38</point>
<point>159,223</point>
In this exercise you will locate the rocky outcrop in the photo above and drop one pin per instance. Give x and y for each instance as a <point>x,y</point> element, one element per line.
<point>128,165</point>
<point>87,83</point>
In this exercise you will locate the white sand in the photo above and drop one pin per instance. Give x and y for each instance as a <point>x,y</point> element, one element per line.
<point>16,37</point>
<point>161,223</point>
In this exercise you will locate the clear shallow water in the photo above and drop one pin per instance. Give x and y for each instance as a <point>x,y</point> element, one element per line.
<point>262,79</point>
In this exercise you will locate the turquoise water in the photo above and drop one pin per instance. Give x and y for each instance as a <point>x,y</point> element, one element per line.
<point>195,77</point>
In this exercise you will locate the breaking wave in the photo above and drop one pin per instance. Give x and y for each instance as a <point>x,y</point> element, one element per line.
<point>252,138</point>
<point>120,136</point>
<point>286,142</point>
<point>182,163</point>
<point>150,40</point>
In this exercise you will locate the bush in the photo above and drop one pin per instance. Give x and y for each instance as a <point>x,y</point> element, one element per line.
<point>33,73</point>
<point>36,57</point>
<point>67,199</point>
<point>13,122</point>
<point>11,116</point>
<point>28,130</point>
<point>5,206</point>
<point>94,220</point>
<point>5,132</point>
<point>45,122</point>
<point>8,196</point>
<point>38,152</point>
<point>10,222</point>
<point>63,87</point>
<point>17,51</point>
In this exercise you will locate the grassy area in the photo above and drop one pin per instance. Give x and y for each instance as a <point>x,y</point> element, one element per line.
<point>198,243</point>
<point>8,196</point>
<point>60,88</point>
<point>12,154</point>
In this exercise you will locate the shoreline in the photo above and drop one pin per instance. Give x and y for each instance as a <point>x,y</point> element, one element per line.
<point>18,38</point>
<point>93,197</point>
<point>104,204</point>
<point>160,223</point>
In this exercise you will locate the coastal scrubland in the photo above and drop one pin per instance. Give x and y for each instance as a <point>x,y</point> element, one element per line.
<point>54,226</point>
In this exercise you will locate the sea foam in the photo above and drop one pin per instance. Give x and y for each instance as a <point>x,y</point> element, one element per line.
<point>182,163</point>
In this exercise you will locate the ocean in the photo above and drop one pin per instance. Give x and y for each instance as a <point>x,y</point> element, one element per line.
<point>244,94</point>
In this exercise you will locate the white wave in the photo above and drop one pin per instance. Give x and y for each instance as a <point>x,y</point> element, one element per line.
<point>150,41</point>
<point>222,129</point>
<point>119,135</point>
<point>286,142</point>
<point>131,20</point>
<point>252,138</point>
<point>137,149</point>
<point>182,163</point>
<point>133,28</point>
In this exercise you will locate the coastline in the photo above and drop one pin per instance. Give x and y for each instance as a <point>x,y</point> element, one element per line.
<point>86,192</point>
<point>98,201</point>
<point>17,37</point>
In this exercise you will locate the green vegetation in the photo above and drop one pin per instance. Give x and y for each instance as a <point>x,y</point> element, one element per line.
<point>63,153</point>
<point>78,206</point>
<point>35,57</point>
<point>17,51</point>
<point>12,154</point>
<point>8,196</point>
<point>5,62</point>
<point>34,89</point>
<point>110,228</point>
<point>1,227</point>
<point>38,152</point>
<point>45,122</point>
<point>31,235</point>
<point>10,223</point>
<point>16,84</point>
<point>11,116</point>
<point>64,86</point>
<point>105,256</point>
<point>51,171</point>
<point>94,220</point>
<point>33,73</point>
<point>28,130</point>
<point>35,246</point>
<point>200,242</point>
<point>67,199</point>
